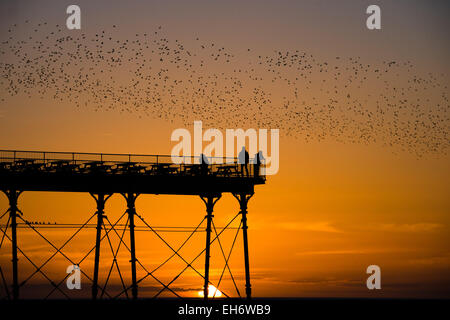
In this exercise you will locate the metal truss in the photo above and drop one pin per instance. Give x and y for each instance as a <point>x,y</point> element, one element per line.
<point>105,230</point>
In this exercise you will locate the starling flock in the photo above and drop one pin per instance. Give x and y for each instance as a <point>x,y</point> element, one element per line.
<point>341,98</point>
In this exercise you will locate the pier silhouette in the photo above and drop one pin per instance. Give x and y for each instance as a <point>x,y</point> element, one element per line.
<point>102,175</point>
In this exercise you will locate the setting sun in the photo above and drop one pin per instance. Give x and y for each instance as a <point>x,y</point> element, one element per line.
<point>213,292</point>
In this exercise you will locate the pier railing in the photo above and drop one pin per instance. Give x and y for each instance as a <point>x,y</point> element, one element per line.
<point>110,163</point>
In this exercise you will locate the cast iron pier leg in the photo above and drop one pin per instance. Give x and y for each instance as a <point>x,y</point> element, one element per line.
<point>209,202</point>
<point>13,195</point>
<point>243,201</point>
<point>131,198</point>
<point>100,215</point>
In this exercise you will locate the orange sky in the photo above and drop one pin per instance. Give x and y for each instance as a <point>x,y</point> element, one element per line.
<point>332,210</point>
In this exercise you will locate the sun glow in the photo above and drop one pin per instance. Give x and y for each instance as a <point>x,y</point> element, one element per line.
<point>213,292</point>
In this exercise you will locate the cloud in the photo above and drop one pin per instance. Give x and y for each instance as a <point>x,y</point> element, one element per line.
<point>355,251</point>
<point>329,252</point>
<point>414,227</point>
<point>150,288</point>
<point>328,282</point>
<point>319,226</point>
<point>443,260</point>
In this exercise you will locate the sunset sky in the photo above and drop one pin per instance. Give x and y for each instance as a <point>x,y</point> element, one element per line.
<point>335,207</point>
